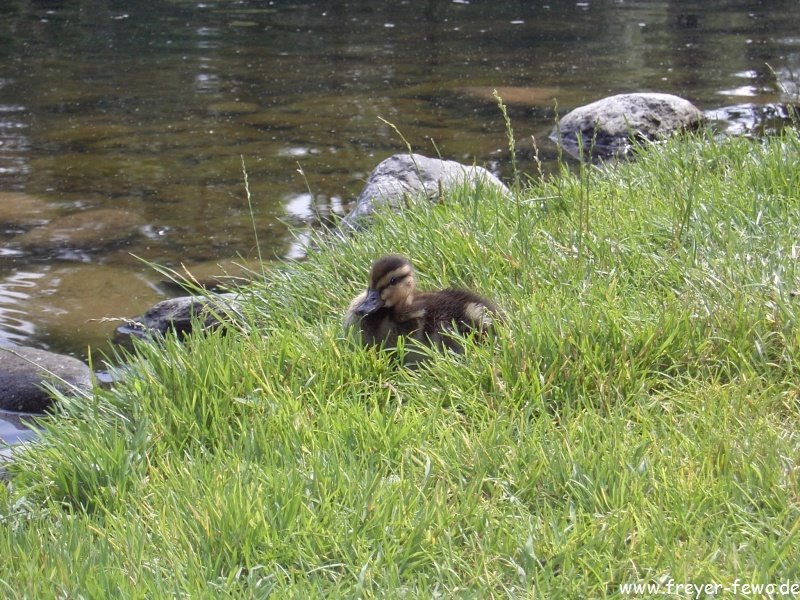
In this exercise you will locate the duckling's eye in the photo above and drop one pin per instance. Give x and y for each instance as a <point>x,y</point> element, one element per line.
<point>393,280</point>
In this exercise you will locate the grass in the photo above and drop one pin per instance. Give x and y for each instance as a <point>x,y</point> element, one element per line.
<point>635,420</point>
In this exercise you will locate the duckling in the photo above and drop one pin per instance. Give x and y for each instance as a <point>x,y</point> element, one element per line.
<point>392,308</point>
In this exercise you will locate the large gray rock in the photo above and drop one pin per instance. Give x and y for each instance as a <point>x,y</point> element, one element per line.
<point>405,176</point>
<point>23,370</point>
<point>179,315</point>
<point>607,128</point>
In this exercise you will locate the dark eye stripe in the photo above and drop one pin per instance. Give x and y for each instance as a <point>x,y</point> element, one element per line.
<point>392,278</point>
<point>395,280</point>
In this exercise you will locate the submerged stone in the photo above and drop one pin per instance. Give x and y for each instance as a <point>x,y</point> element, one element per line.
<point>233,107</point>
<point>608,128</point>
<point>18,209</point>
<point>405,176</point>
<point>24,370</point>
<point>517,95</point>
<point>80,301</point>
<point>87,230</point>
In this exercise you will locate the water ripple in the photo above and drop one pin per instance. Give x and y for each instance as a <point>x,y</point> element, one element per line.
<point>15,325</point>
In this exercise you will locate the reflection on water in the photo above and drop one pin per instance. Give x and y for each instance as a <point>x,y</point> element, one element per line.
<point>15,326</point>
<point>148,110</point>
<point>13,141</point>
<point>740,119</point>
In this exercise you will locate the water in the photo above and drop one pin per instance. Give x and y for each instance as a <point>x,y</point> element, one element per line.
<point>15,428</point>
<point>124,125</point>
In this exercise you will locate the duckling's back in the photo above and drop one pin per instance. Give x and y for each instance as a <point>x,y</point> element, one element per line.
<point>455,311</point>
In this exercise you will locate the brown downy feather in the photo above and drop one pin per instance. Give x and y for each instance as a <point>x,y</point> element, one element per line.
<point>391,308</point>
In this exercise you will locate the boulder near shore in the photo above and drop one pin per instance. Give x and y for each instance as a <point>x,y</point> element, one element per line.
<point>607,128</point>
<point>24,371</point>
<point>408,175</point>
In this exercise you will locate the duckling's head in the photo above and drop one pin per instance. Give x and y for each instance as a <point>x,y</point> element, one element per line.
<point>391,285</point>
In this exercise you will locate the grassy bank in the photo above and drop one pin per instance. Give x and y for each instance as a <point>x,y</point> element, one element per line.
<point>636,419</point>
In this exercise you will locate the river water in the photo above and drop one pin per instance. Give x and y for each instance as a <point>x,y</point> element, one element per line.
<point>124,126</point>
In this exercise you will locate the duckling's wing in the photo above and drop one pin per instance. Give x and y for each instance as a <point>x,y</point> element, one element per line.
<point>479,314</point>
<point>456,310</point>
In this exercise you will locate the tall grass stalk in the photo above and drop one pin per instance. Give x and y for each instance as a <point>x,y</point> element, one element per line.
<point>584,176</point>
<point>512,144</point>
<point>250,208</point>
<point>516,186</point>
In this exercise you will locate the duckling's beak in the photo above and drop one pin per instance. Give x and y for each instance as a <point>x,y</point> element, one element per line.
<point>371,303</point>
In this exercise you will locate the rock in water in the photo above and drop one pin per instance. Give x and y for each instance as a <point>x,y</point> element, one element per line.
<point>18,209</point>
<point>87,230</point>
<point>607,128</point>
<point>179,315</point>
